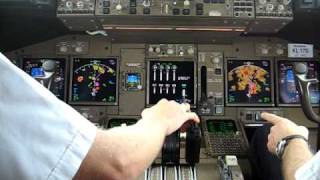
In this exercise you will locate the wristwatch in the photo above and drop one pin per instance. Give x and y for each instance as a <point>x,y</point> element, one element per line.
<point>282,144</point>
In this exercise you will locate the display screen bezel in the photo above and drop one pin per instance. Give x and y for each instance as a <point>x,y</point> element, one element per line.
<point>177,60</point>
<point>66,67</point>
<point>278,78</point>
<point>70,101</point>
<point>271,104</point>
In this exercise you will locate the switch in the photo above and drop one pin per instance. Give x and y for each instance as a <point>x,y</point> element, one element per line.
<point>248,116</point>
<point>146,10</point>
<point>199,6</point>
<point>106,3</point>
<point>218,101</point>
<point>176,11</point>
<point>218,110</point>
<point>217,71</point>
<point>133,11</point>
<point>186,11</point>
<point>106,11</point>
<point>257,116</point>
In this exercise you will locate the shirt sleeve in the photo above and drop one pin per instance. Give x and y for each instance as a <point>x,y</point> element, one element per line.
<point>310,170</point>
<point>41,137</point>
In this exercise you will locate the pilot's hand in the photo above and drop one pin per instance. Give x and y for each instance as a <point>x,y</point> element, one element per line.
<point>170,114</point>
<point>282,128</point>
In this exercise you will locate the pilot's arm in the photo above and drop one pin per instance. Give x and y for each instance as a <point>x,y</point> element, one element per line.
<point>297,159</point>
<point>124,152</point>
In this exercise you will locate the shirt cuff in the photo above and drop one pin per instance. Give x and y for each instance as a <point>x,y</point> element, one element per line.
<point>310,170</point>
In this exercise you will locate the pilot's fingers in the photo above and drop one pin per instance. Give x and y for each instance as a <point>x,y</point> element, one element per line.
<point>186,107</point>
<point>274,119</point>
<point>192,116</point>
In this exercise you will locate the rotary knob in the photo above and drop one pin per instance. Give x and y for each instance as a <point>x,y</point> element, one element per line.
<point>151,49</point>
<point>80,5</point>
<point>78,49</point>
<point>216,60</point>
<point>270,7</point>
<point>262,1</point>
<point>118,7</point>
<point>190,51</point>
<point>69,5</point>
<point>280,51</point>
<point>186,3</point>
<point>63,49</point>
<point>158,50</point>
<point>264,51</point>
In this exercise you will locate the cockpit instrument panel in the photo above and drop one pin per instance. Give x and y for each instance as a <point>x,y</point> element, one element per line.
<point>288,93</point>
<point>173,80</point>
<point>94,81</point>
<point>33,67</point>
<point>249,83</point>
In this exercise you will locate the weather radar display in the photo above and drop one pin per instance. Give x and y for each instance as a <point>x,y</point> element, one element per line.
<point>94,81</point>
<point>249,82</point>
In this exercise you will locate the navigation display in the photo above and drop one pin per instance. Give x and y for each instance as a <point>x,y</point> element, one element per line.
<point>33,67</point>
<point>249,83</point>
<point>173,80</point>
<point>288,84</point>
<point>94,81</point>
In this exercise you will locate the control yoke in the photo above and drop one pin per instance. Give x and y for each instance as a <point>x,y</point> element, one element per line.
<point>301,71</point>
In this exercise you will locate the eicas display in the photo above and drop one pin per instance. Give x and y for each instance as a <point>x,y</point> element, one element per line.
<point>53,80</point>
<point>173,80</point>
<point>249,82</point>
<point>288,84</point>
<point>94,81</point>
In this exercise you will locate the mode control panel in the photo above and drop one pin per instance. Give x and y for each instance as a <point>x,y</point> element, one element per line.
<point>243,8</point>
<point>217,8</point>
<point>274,8</point>
<point>251,116</point>
<point>75,6</point>
<point>171,50</point>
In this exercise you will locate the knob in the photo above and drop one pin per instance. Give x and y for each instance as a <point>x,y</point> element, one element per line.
<point>190,51</point>
<point>181,53</point>
<point>150,49</point>
<point>280,51</point>
<point>216,60</point>
<point>281,7</point>
<point>118,7</point>
<point>69,4</point>
<point>80,5</point>
<point>264,51</point>
<point>78,49</point>
<point>63,49</point>
<point>186,3</point>
<point>158,50</point>
<point>270,7</point>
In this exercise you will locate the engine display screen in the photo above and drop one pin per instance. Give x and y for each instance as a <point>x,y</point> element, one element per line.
<point>133,81</point>
<point>173,80</point>
<point>288,84</point>
<point>94,81</point>
<point>33,67</point>
<point>221,126</point>
<point>249,83</point>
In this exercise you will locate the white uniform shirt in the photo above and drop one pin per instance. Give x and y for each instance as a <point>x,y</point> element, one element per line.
<point>41,137</point>
<point>310,170</point>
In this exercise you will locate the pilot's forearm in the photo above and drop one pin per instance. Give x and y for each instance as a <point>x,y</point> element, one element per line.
<point>295,155</point>
<point>126,151</point>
